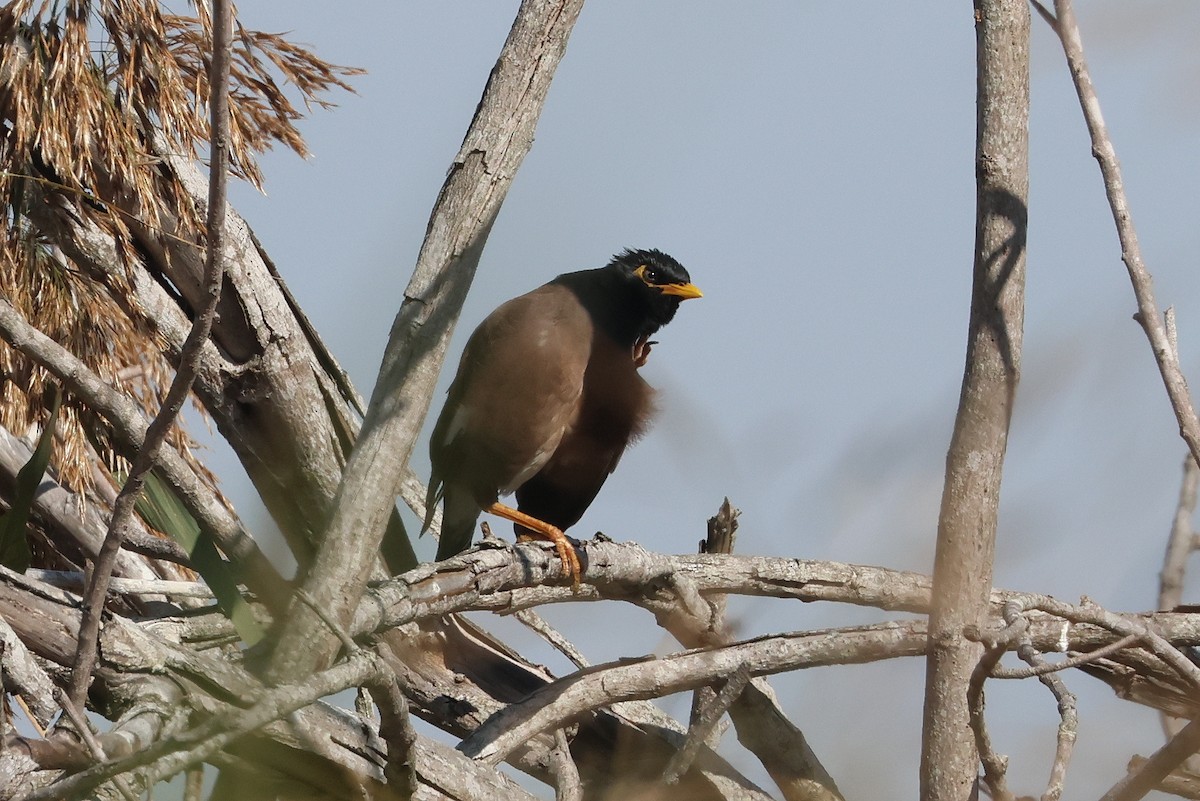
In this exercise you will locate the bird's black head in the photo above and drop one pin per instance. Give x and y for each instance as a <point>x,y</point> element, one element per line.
<point>634,295</point>
<point>656,283</point>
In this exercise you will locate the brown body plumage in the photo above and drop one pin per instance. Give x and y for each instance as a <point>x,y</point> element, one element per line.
<point>548,395</point>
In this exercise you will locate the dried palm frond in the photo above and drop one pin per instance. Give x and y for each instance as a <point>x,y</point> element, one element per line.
<point>88,90</point>
<point>81,316</point>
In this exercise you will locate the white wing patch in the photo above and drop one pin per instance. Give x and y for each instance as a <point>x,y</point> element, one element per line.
<point>457,423</point>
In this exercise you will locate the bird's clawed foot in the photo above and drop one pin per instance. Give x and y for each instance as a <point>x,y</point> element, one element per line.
<point>566,553</point>
<point>538,529</point>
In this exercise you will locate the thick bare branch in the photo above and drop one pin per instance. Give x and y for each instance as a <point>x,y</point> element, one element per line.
<point>520,576</point>
<point>25,677</point>
<point>1184,784</point>
<point>496,142</point>
<point>970,498</point>
<point>566,772</point>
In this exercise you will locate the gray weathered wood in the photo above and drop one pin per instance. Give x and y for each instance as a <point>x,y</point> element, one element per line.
<point>962,575</point>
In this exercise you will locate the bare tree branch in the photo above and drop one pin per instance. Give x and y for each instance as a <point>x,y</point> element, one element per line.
<point>78,526</point>
<point>1151,773</point>
<point>1180,545</point>
<point>703,721</point>
<point>75,582</point>
<point>962,574</point>
<point>496,142</point>
<point>83,728</point>
<point>1181,541</point>
<point>25,678</point>
<point>995,766</point>
<point>1181,783</point>
<point>396,729</point>
<point>166,757</point>
<point>130,426</point>
<point>1044,667</point>
<point>780,746</point>
<point>565,699</point>
<point>1147,315</point>
<point>1068,719</point>
<point>517,576</point>
<point>181,385</point>
<point>566,772</point>
<point>536,623</point>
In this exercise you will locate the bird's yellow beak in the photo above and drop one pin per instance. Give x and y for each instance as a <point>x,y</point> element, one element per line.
<point>684,291</point>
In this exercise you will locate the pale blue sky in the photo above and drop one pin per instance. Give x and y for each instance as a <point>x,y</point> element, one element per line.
<point>812,165</point>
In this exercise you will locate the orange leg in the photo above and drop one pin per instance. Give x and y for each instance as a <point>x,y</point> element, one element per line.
<point>566,552</point>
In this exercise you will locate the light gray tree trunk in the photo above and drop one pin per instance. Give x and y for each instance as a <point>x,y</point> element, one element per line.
<point>962,576</point>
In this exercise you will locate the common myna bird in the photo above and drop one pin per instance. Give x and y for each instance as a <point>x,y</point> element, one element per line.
<point>548,396</point>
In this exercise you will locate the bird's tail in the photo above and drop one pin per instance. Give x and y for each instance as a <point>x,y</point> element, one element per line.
<point>459,517</point>
<point>433,496</point>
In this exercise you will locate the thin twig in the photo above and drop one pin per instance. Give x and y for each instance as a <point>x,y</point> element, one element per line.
<point>1182,540</point>
<point>1120,625</point>
<point>189,360</point>
<point>538,624</point>
<point>1068,726</point>
<point>1180,544</point>
<point>1071,662</point>
<point>1046,14</point>
<point>995,766</point>
<point>33,721</point>
<point>343,637</point>
<point>704,723</point>
<point>1147,314</point>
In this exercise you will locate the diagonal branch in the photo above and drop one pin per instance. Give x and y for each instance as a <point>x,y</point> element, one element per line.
<point>185,374</point>
<point>167,757</point>
<point>1147,776</point>
<point>1148,316</point>
<point>129,426</point>
<point>496,143</point>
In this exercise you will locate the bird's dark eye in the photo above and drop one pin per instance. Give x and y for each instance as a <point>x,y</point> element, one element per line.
<point>650,275</point>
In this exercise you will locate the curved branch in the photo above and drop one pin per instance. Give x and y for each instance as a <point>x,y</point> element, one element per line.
<point>651,677</point>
